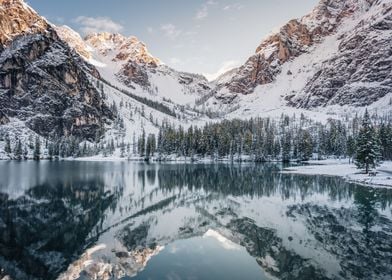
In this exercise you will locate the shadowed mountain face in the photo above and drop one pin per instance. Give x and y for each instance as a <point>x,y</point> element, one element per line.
<point>92,220</point>
<point>42,81</point>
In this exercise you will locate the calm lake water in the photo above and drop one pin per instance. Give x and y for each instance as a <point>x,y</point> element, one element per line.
<point>106,220</point>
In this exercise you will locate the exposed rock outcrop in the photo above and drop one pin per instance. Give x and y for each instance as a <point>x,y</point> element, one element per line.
<point>16,19</point>
<point>361,72</point>
<point>3,118</point>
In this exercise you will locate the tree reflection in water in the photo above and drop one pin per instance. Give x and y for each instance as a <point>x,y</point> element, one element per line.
<point>295,227</point>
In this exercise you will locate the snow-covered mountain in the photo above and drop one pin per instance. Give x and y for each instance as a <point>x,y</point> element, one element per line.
<point>126,63</point>
<point>339,54</point>
<point>51,91</point>
<point>55,83</point>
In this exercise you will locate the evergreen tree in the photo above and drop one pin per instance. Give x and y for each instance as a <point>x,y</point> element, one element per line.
<point>151,118</point>
<point>128,149</point>
<point>351,147</point>
<point>84,151</point>
<point>150,146</point>
<point>142,144</point>
<point>122,149</point>
<point>305,145</point>
<point>262,139</point>
<point>18,152</point>
<point>31,142</point>
<point>286,147</point>
<point>7,147</point>
<point>25,152</point>
<point>385,136</point>
<point>134,144</point>
<point>37,149</point>
<point>111,147</point>
<point>368,150</point>
<point>51,150</point>
<point>62,149</point>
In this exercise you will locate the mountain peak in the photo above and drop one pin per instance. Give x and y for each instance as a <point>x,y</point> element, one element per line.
<point>329,13</point>
<point>105,37</point>
<point>123,48</point>
<point>295,38</point>
<point>74,40</point>
<point>17,18</point>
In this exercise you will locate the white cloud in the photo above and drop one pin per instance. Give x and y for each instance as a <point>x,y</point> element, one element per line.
<point>202,13</point>
<point>99,24</point>
<point>235,6</point>
<point>171,30</point>
<point>226,66</point>
<point>150,29</point>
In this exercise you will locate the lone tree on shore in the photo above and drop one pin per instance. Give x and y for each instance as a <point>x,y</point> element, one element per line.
<point>368,148</point>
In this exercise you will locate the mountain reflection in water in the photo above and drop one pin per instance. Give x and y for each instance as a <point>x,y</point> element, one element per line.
<point>106,220</point>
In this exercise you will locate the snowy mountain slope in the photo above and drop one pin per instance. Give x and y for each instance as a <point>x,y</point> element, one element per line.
<point>337,55</point>
<point>127,64</point>
<point>225,77</point>
<point>318,61</point>
<point>133,117</point>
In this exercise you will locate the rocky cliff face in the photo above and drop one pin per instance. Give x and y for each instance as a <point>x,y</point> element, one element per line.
<point>360,73</point>
<point>16,19</point>
<point>357,74</point>
<point>42,81</point>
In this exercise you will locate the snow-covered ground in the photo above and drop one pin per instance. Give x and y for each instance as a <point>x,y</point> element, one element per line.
<point>343,168</point>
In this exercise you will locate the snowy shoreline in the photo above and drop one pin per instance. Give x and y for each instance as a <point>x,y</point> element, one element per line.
<point>346,170</point>
<point>329,167</point>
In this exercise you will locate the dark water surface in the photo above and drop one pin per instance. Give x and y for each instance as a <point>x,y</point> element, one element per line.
<point>120,220</point>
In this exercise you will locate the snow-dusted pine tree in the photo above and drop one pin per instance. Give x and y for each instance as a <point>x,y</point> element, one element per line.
<point>368,148</point>
<point>18,150</point>
<point>37,149</point>
<point>7,147</point>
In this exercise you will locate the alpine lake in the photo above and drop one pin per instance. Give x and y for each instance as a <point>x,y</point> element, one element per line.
<point>128,220</point>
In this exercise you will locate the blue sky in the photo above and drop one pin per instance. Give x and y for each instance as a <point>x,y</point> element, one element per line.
<point>196,36</point>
